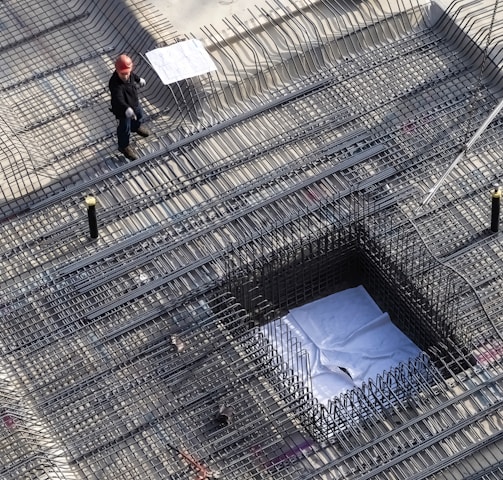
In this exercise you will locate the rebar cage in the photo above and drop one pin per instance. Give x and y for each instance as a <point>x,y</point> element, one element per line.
<point>296,170</point>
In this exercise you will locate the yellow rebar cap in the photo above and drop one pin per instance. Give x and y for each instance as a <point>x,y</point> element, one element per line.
<point>90,201</point>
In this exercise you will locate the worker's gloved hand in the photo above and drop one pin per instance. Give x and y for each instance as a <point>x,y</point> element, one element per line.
<point>130,113</point>
<point>142,82</point>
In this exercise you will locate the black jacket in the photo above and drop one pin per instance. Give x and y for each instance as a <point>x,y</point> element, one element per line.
<point>124,94</point>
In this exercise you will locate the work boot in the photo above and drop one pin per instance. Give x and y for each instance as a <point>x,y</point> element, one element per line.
<point>143,131</point>
<point>129,153</point>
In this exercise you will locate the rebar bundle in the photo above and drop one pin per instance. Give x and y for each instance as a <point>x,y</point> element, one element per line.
<point>294,171</point>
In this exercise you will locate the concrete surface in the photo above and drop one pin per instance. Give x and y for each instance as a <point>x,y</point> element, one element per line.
<point>189,16</point>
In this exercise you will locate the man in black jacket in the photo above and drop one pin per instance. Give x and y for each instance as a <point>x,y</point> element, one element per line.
<point>126,107</point>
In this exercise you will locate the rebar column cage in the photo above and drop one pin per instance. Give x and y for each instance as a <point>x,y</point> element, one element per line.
<point>390,261</point>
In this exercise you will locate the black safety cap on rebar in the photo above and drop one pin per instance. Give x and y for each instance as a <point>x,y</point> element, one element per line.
<point>91,216</point>
<point>495,207</point>
<point>224,416</point>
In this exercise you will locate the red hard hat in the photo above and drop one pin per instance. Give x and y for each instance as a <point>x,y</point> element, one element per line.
<point>123,64</point>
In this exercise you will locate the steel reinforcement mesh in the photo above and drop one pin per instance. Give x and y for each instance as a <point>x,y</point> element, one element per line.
<point>294,171</point>
<point>56,124</point>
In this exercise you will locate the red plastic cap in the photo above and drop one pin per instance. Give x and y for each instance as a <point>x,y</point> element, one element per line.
<point>123,64</point>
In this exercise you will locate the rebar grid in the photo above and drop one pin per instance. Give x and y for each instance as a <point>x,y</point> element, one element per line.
<point>358,420</point>
<point>160,392</point>
<point>28,451</point>
<point>309,40</point>
<point>59,57</point>
<point>306,156</point>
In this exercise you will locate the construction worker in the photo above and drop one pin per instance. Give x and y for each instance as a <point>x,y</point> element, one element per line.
<point>123,86</point>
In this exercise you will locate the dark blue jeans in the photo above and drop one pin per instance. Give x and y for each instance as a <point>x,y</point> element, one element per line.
<point>128,125</point>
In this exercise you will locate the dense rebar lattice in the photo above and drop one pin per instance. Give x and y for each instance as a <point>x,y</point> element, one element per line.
<point>293,172</point>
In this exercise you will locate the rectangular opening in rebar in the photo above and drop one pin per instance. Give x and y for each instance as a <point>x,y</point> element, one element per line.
<point>348,340</point>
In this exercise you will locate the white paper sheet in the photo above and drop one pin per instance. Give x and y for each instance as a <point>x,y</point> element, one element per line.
<point>181,60</point>
<point>344,333</point>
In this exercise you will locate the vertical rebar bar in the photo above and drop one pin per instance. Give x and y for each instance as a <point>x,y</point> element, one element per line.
<point>91,216</point>
<point>495,208</point>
